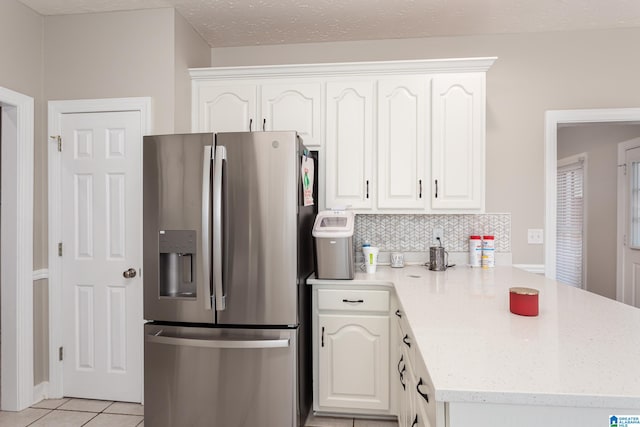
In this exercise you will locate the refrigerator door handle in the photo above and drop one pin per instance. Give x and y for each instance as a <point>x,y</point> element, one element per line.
<point>206,343</point>
<point>206,218</point>
<point>220,156</point>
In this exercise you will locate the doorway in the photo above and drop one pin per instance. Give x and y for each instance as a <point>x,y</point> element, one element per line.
<point>95,214</point>
<point>571,121</point>
<point>16,250</point>
<point>628,253</point>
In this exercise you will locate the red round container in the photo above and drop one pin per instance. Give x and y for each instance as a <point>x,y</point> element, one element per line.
<point>523,301</point>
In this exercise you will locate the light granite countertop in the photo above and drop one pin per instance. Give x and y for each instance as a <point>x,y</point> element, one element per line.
<point>582,350</point>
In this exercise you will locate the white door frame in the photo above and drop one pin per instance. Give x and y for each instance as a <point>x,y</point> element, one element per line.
<point>17,251</point>
<point>622,217</point>
<point>552,119</point>
<point>56,110</point>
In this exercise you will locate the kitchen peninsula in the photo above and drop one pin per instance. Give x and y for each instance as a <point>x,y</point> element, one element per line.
<point>477,364</point>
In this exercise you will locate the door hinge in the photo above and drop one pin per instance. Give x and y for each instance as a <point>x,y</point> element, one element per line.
<point>60,354</point>
<point>58,139</point>
<point>60,249</point>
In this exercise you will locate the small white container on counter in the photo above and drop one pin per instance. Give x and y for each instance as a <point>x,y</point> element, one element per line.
<point>488,252</point>
<point>475,251</point>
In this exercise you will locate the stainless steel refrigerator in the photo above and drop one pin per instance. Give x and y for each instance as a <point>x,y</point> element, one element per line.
<point>227,249</point>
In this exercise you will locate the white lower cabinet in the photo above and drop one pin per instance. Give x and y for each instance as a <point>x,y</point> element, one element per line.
<point>351,351</point>
<point>416,403</point>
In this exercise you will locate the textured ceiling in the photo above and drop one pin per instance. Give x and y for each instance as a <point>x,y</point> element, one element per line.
<point>253,22</point>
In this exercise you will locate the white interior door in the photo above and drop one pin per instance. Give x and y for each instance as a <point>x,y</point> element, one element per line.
<point>101,192</point>
<point>630,193</point>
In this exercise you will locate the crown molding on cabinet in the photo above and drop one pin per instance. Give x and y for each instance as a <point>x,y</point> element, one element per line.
<point>347,68</point>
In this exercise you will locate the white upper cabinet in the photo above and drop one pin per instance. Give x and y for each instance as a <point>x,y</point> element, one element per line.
<point>349,144</point>
<point>393,137</point>
<point>403,142</point>
<point>293,106</point>
<point>235,107</point>
<point>225,107</point>
<point>457,146</point>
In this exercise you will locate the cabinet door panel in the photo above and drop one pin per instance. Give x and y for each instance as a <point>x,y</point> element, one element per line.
<point>293,106</point>
<point>458,141</point>
<point>403,124</point>
<point>228,108</point>
<point>349,125</point>
<point>354,361</point>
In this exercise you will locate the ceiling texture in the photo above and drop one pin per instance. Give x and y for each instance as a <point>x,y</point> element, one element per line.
<point>229,23</point>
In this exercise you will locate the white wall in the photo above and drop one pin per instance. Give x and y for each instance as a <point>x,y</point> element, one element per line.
<point>533,73</point>
<point>600,142</point>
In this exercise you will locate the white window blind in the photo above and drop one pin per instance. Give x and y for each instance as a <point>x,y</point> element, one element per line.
<point>570,222</point>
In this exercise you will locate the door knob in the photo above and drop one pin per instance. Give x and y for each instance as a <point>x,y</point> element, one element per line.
<point>129,274</point>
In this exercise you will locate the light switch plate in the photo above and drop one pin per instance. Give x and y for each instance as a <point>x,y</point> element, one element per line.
<point>535,236</point>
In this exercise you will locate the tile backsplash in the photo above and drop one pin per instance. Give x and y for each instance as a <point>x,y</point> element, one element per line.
<point>412,233</point>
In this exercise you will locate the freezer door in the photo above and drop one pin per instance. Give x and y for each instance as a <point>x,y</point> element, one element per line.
<point>259,224</point>
<point>176,227</point>
<point>219,377</point>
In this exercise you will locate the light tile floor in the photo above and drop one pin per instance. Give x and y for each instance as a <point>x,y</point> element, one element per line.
<point>100,413</point>
<point>76,413</point>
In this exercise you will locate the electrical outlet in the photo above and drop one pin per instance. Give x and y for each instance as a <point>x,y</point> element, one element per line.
<point>438,232</point>
<point>535,236</point>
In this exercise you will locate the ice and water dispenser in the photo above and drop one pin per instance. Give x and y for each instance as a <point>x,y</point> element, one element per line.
<point>177,263</point>
<point>333,234</point>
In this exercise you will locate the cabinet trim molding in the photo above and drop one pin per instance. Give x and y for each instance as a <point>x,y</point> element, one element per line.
<point>422,66</point>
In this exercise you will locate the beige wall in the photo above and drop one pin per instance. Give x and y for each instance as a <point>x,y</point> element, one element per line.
<point>600,142</point>
<point>21,66</point>
<point>123,54</point>
<point>112,55</point>
<point>191,51</point>
<point>21,57</point>
<point>534,73</point>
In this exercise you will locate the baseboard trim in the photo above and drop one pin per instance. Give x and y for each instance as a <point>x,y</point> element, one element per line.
<point>40,392</point>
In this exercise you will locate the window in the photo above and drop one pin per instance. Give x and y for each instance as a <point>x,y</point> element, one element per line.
<point>570,253</point>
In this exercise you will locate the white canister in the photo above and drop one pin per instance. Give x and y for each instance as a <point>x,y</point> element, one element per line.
<point>370,258</point>
<point>488,252</point>
<point>475,251</point>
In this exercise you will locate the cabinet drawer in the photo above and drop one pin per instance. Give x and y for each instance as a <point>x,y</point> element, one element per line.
<point>353,300</point>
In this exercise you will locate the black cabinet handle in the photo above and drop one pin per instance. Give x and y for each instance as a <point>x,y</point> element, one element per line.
<point>353,301</point>
<point>264,124</point>
<point>415,421</point>
<point>322,339</point>
<point>401,372</point>
<point>425,396</point>
<point>367,195</point>
<point>250,124</point>
<point>420,185</point>
<point>399,313</point>
<point>436,188</point>
<point>407,340</point>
